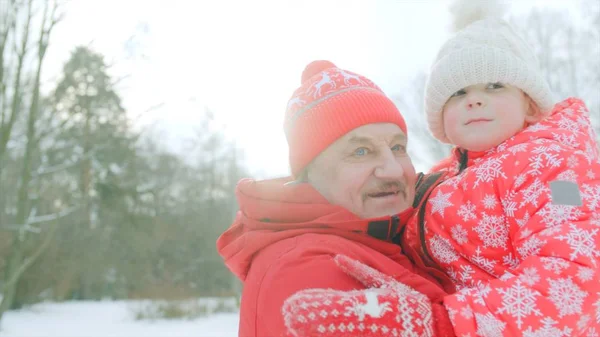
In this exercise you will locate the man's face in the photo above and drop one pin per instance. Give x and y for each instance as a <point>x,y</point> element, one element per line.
<point>367,171</point>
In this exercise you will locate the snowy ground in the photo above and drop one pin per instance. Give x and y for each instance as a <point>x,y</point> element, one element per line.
<point>108,319</point>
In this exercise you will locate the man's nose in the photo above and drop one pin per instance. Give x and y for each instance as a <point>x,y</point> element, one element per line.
<point>389,167</point>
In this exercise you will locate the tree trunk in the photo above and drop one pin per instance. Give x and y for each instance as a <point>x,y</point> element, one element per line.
<point>17,264</point>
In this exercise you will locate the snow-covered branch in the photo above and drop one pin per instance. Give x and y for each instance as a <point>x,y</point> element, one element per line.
<point>33,219</point>
<point>59,167</point>
<point>56,168</point>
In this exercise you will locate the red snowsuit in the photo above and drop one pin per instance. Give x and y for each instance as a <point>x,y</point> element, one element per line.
<point>527,261</point>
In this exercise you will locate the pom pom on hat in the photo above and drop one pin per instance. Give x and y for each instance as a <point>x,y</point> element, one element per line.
<point>315,68</point>
<point>485,51</point>
<point>465,12</point>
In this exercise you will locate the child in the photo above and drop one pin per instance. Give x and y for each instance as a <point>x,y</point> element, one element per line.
<point>515,220</point>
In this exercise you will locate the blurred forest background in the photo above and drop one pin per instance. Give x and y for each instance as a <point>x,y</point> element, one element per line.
<point>92,208</point>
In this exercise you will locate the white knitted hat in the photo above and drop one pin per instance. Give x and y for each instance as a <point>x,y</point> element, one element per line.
<point>486,51</point>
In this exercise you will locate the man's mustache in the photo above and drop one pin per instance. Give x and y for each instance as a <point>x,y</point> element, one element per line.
<point>387,187</point>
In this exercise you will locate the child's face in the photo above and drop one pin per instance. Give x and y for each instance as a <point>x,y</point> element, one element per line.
<point>480,117</point>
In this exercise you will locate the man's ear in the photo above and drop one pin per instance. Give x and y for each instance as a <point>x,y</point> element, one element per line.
<point>533,113</point>
<point>302,178</point>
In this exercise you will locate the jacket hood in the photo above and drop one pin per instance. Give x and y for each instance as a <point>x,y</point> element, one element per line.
<point>271,211</point>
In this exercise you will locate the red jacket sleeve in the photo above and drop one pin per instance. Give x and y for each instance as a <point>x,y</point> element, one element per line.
<point>310,265</point>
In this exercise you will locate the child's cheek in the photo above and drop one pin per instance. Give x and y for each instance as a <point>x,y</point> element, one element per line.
<point>509,106</point>
<point>451,119</point>
<point>504,107</point>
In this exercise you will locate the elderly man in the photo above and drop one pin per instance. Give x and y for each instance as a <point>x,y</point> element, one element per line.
<point>353,184</point>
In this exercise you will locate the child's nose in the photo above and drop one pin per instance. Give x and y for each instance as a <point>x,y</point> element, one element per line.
<point>476,103</point>
<point>474,100</point>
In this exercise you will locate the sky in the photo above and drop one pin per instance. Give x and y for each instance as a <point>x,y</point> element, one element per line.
<point>243,59</point>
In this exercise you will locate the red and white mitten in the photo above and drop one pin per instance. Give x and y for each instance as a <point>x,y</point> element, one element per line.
<point>386,308</point>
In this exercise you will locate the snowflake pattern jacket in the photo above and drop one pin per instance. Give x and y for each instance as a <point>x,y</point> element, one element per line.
<point>525,261</point>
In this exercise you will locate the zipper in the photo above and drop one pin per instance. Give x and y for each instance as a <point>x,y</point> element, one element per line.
<point>421,228</point>
<point>463,161</point>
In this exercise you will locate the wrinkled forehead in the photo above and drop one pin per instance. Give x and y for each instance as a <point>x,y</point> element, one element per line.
<point>374,133</point>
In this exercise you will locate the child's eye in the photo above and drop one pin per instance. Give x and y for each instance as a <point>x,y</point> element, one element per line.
<point>459,93</point>
<point>496,85</point>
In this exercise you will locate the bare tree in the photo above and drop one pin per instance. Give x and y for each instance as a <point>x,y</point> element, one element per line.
<point>10,109</point>
<point>568,52</point>
<point>423,148</point>
<point>17,262</point>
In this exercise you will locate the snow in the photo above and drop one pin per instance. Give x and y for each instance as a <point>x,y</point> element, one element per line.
<point>108,319</point>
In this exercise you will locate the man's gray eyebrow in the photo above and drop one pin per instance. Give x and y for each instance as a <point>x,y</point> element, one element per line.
<point>359,139</point>
<point>400,136</point>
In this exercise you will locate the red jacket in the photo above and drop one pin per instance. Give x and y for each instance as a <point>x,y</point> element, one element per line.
<point>284,239</point>
<point>526,261</point>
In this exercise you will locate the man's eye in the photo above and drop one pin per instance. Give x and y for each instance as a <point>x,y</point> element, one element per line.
<point>459,93</point>
<point>399,148</point>
<point>496,85</point>
<point>361,151</point>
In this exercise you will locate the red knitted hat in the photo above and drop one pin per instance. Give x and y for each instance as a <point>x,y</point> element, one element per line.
<point>330,103</point>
